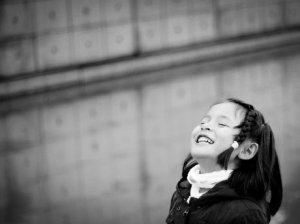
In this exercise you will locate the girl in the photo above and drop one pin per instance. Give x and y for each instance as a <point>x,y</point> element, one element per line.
<point>232,174</point>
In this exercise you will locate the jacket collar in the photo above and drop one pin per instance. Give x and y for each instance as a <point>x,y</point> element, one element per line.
<point>220,192</point>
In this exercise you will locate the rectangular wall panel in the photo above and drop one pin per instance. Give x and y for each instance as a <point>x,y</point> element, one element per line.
<point>16,19</point>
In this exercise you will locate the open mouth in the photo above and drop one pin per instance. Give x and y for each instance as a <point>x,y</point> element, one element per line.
<point>204,138</point>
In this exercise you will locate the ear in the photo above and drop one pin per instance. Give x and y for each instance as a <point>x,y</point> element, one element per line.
<point>248,150</point>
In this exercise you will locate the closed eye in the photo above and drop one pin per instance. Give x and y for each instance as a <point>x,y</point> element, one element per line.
<point>223,125</point>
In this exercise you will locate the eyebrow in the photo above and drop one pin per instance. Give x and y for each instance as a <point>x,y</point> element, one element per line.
<point>225,117</point>
<point>221,116</point>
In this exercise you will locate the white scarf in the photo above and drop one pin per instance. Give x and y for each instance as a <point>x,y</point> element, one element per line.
<point>204,181</point>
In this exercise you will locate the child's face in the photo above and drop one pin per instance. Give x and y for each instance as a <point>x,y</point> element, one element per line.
<point>216,131</point>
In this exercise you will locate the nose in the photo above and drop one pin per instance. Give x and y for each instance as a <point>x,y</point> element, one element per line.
<point>205,126</point>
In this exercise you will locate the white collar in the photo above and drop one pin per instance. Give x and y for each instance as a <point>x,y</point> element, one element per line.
<point>205,180</point>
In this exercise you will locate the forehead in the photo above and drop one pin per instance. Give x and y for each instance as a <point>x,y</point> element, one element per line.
<point>228,109</point>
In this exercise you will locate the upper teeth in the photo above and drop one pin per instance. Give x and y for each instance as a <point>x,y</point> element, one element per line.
<point>204,139</point>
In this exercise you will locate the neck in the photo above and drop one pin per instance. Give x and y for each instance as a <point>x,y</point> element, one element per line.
<point>209,165</point>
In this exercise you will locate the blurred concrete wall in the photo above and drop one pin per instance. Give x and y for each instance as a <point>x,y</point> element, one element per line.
<point>114,156</point>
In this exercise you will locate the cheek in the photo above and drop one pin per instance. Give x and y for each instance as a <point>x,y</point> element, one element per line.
<point>226,138</point>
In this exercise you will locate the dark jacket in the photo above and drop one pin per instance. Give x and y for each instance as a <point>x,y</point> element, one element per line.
<point>220,205</point>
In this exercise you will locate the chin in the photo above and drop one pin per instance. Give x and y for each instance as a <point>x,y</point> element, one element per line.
<point>201,153</point>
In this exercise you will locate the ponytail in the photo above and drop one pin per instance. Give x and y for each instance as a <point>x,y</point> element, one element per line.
<point>271,168</point>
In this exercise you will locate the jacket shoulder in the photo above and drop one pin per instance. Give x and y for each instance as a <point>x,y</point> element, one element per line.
<point>240,211</point>
<point>252,216</point>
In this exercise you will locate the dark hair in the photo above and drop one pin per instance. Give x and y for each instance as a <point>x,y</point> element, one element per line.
<point>259,175</point>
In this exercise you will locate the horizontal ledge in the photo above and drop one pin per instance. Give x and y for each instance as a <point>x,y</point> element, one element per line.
<point>136,71</point>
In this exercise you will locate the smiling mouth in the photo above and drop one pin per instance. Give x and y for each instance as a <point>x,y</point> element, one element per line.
<point>204,138</point>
